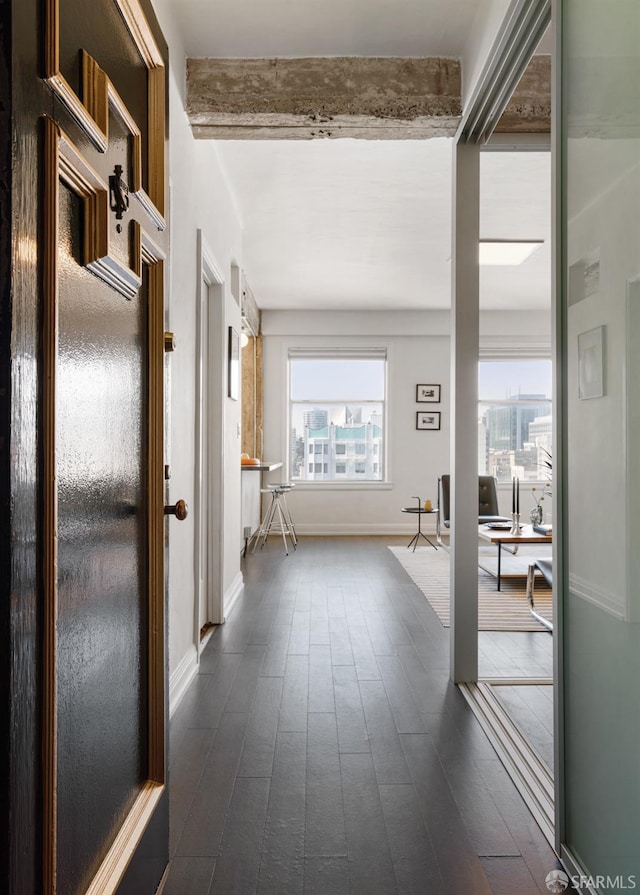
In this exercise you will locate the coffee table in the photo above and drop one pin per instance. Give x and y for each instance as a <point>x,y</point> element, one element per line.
<point>500,537</point>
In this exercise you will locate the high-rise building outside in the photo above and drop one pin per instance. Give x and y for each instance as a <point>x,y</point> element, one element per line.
<point>513,436</point>
<point>334,453</point>
<point>352,415</point>
<point>316,418</point>
<point>508,424</point>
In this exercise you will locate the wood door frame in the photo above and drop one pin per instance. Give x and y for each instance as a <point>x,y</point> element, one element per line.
<point>210,407</point>
<point>64,163</point>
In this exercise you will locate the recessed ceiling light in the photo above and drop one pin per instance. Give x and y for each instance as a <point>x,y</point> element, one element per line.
<point>502,252</point>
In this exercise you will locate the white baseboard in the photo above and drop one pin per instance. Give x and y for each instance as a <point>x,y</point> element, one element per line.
<point>187,668</point>
<point>232,594</point>
<point>181,678</point>
<point>361,529</point>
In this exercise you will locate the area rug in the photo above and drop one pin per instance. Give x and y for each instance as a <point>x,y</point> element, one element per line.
<point>504,610</point>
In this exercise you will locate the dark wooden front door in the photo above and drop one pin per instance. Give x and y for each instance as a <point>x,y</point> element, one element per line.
<point>103,246</point>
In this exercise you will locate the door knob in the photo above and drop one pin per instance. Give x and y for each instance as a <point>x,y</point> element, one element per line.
<point>179,509</point>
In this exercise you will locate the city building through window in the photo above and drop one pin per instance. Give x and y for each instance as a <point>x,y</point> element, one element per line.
<point>337,410</point>
<point>514,419</point>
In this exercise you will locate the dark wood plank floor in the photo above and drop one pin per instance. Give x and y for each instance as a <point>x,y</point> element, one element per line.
<point>532,710</point>
<point>321,748</point>
<point>515,654</point>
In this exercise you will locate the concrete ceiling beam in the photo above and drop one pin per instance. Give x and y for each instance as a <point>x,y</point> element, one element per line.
<point>529,109</point>
<point>375,98</point>
<point>357,97</point>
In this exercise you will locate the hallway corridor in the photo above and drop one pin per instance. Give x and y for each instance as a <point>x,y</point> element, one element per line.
<point>321,748</point>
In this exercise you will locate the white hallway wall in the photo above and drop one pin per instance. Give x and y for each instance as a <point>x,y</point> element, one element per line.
<point>199,199</point>
<point>419,352</point>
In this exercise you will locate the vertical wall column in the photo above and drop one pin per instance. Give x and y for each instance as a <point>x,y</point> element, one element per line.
<point>464,412</point>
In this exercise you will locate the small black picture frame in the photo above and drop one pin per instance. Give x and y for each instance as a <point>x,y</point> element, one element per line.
<point>427,394</point>
<point>233,371</point>
<point>428,419</point>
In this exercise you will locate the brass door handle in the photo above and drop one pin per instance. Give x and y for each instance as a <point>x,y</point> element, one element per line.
<point>179,509</point>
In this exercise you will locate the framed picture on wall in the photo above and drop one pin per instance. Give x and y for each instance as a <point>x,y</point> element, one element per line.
<point>591,364</point>
<point>426,419</point>
<point>428,394</point>
<point>233,372</point>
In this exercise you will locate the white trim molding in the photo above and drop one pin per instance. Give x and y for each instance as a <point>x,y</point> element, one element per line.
<point>362,529</point>
<point>209,459</point>
<point>232,594</point>
<point>306,485</point>
<point>181,677</point>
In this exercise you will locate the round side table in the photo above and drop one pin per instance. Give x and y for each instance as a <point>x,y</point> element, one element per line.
<point>419,512</point>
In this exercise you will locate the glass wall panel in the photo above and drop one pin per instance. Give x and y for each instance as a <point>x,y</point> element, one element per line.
<point>601,343</point>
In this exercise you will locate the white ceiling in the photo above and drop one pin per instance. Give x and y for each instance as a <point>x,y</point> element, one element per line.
<point>363,224</point>
<point>515,203</point>
<point>344,223</point>
<point>327,27</point>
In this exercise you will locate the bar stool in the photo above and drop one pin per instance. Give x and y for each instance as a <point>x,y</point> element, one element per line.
<point>277,518</point>
<point>285,487</point>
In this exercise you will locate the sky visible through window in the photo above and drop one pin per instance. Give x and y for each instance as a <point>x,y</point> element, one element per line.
<point>322,381</point>
<point>344,380</point>
<point>499,380</point>
<point>337,380</point>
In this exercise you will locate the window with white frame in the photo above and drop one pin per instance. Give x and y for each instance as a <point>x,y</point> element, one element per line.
<point>515,419</point>
<point>337,410</point>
